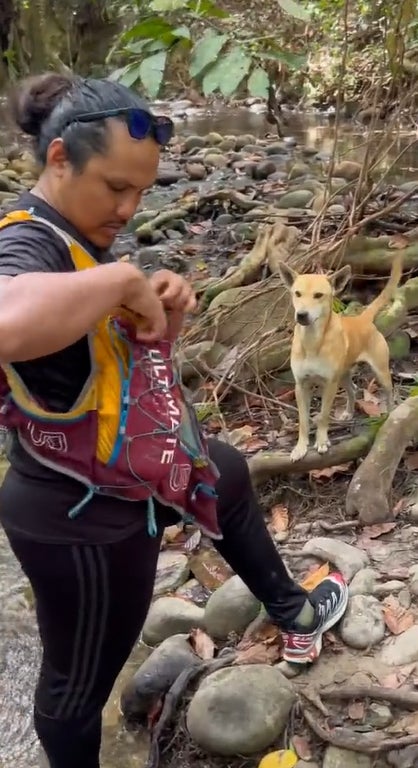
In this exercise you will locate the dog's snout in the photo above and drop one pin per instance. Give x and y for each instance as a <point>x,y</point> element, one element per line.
<point>303,318</point>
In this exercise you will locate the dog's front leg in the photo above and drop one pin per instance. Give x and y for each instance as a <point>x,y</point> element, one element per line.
<point>303,393</point>
<point>330,390</point>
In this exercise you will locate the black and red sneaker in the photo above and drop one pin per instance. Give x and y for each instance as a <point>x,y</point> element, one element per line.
<point>329,599</point>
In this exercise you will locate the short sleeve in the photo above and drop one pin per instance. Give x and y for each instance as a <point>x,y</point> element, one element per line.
<point>32,247</point>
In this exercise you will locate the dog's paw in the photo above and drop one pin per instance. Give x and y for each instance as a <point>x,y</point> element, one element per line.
<point>322,444</point>
<point>299,451</point>
<point>345,415</point>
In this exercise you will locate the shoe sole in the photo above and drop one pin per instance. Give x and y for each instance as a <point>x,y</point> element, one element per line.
<point>315,649</point>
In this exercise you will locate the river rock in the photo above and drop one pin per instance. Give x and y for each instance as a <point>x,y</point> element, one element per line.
<point>172,572</point>
<point>402,649</point>
<point>171,616</point>
<point>363,583</point>
<point>155,676</point>
<point>240,710</point>
<point>344,758</point>
<point>193,142</point>
<point>379,715</point>
<point>213,138</point>
<point>389,587</point>
<point>277,149</point>
<point>6,184</point>
<point>363,624</point>
<point>227,144</point>
<point>168,176</point>
<point>296,199</point>
<point>298,169</point>
<point>262,170</point>
<point>346,558</point>
<point>243,140</point>
<point>230,608</point>
<point>196,171</point>
<point>215,160</point>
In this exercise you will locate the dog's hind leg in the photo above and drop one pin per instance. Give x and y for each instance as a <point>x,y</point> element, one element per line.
<point>347,384</point>
<point>378,358</point>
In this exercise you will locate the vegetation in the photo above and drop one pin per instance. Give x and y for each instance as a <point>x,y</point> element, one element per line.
<point>219,47</point>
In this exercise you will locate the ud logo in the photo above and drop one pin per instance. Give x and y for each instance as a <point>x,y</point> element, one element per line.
<point>53,441</point>
<point>179,477</point>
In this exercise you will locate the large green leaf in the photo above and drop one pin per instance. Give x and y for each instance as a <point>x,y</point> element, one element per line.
<point>151,72</point>
<point>295,9</point>
<point>213,78</point>
<point>206,50</point>
<point>236,65</point>
<point>258,83</point>
<point>207,8</point>
<point>165,6</point>
<point>292,60</point>
<point>128,75</point>
<point>154,27</point>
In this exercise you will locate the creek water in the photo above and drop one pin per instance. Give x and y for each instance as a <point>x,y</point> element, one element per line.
<point>19,645</point>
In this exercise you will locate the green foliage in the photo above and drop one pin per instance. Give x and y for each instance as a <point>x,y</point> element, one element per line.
<point>222,57</point>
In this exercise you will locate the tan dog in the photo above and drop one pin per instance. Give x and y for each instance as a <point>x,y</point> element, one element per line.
<point>326,345</point>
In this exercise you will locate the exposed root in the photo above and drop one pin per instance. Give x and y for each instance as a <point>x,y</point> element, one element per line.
<point>369,492</point>
<point>402,698</point>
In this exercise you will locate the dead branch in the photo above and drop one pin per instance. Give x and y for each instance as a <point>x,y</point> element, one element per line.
<point>402,698</point>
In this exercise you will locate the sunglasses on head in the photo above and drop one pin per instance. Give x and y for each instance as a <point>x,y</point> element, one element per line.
<point>140,124</point>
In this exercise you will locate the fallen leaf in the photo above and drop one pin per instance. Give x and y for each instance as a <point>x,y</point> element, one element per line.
<point>315,577</point>
<point>327,472</point>
<point>279,518</point>
<point>202,644</point>
<point>374,531</point>
<point>399,507</point>
<point>397,619</point>
<point>256,632</point>
<point>193,541</point>
<point>390,681</point>
<point>260,653</point>
<point>285,758</point>
<point>302,747</point>
<point>254,444</point>
<point>356,710</point>
<point>411,460</point>
<point>369,407</point>
<point>398,678</point>
<point>398,241</point>
<point>407,724</point>
<point>209,568</point>
<point>171,533</point>
<point>240,435</point>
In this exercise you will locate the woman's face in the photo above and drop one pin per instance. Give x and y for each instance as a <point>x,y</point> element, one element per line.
<point>100,200</point>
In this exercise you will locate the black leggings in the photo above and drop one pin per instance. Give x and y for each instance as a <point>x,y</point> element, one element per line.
<point>92,601</point>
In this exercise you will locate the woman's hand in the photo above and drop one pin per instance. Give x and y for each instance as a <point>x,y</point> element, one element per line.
<point>175,293</point>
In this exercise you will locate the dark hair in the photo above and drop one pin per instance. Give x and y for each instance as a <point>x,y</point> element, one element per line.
<point>44,105</point>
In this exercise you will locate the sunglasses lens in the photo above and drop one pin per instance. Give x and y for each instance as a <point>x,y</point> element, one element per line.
<point>139,124</point>
<point>164,130</point>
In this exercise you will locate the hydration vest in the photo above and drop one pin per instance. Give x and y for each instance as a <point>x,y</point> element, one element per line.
<point>131,434</point>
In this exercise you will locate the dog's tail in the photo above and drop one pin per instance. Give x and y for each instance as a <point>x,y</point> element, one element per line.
<point>388,291</point>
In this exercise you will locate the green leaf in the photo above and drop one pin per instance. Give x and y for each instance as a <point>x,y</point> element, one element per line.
<point>258,83</point>
<point>154,28</point>
<point>292,60</point>
<point>151,72</point>
<point>208,9</point>
<point>128,75</point>
<point>206,50</point>
<point>213,78</point>
<point>165,6</point>
<point>236,65</point>
<point>295,9</point>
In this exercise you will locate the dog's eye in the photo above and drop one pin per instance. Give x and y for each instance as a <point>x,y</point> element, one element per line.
<point>318,295</point>
<point>298,294</point>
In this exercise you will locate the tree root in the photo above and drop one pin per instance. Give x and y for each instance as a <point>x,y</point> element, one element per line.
<point>174,696</point>
<point>196,359</point>
<point>405,699</point>
<point>368,743</point>
<point>370,488</point>
<point>267,464</point>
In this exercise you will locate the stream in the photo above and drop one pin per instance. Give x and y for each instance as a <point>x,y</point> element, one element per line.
<point>19,646</point>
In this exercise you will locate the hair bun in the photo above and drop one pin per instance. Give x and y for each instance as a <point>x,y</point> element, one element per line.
<point>34,100</point>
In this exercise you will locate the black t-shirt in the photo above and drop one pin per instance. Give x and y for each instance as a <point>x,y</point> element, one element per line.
<point>34,500</point>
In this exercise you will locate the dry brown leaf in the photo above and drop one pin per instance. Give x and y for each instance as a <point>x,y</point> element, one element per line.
<point>398,678</point>
<point>315,577</point>
<point>279,518</point>
<point>266,633</point>
<point>171,533</point>
<point>374,531</point>
<point>202,644</point>
<point>327,472</point>
<point>411,460</point>
<point>193,541</point>
<point>253,445</point>
<point>369,407</point>
<point>209,568</point>
<point>398,241</point>
<point>302,747</point>
<point>260,653</point>
<point>356,710</point>
<point>241,435</point>
<point>407,724</point>
<point>400,506</point>
<point>397,619</point>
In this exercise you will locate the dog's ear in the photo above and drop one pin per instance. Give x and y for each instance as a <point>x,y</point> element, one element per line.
<point>287,274</point>
<point>340,278</point>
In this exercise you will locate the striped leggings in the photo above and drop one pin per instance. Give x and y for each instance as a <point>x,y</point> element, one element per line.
<point>92,601</point>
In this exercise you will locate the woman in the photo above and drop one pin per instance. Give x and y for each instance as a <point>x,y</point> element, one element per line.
<point>91,559</point>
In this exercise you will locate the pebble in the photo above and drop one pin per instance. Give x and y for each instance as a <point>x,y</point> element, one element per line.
<point>172,571</point>
<point>379,715</point>
<point>230,608</point>
<point>388,588</point>
<point>363,624</point>
<point>363,583</point>
<point>155,676</point>
<point>299,198</point>
<point>405,598</point>
<point>346,558</point>
<point>290,670</point>
<point>171,616</point>
<point>240,710</point>
<point>402,649</point>
<point>343,758</point>
<point>196,171</point>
